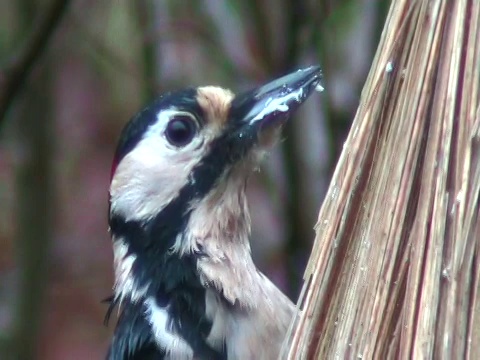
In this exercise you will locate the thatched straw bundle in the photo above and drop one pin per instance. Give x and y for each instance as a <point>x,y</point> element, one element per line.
<point>395,268</point>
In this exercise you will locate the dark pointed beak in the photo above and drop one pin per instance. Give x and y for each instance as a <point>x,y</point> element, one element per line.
<point>271,104</point>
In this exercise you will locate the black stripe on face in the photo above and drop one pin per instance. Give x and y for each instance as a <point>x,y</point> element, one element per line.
<point>159,234</point>
<point>132,133</point>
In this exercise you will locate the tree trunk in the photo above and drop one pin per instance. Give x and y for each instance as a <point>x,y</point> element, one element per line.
<point>395,267</point>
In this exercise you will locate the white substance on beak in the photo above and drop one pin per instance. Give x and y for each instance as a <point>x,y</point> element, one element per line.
<point>319,88</point>
<point>278,104</point>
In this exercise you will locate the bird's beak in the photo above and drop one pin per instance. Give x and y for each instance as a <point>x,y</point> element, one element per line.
<point>270,105</point>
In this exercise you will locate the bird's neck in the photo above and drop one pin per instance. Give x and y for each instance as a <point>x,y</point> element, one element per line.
<point>209,266</point>
<point>262,312</point>
<point>220,229</point>
<point>221,219</point>
<point>213,249</point>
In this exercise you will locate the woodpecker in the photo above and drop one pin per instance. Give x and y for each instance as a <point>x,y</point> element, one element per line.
<point>185,283</point>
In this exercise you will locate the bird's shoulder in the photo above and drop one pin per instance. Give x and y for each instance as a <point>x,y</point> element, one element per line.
<point>162,328</point>
<point>133,338</point>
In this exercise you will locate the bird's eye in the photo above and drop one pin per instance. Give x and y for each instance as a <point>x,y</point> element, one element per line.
<point>181,130</point>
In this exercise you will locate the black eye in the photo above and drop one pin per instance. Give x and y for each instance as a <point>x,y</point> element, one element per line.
<point>180,130</point>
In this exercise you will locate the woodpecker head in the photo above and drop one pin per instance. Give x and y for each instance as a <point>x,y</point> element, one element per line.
<point>190,141</point>
<point>177,204</point>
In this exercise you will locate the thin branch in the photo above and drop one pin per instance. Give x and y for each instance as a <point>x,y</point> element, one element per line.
<point>14,74</point>
<point>144,16</point>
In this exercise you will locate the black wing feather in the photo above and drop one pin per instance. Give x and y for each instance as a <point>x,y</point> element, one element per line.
<point>133,338</point>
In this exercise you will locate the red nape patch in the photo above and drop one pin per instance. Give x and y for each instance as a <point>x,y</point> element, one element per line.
<point>114,167</point>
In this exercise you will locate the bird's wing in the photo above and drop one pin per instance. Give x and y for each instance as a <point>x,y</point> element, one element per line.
<point>133,338</point>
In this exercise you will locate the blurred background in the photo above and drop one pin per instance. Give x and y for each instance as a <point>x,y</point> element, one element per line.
<point>99,63</point>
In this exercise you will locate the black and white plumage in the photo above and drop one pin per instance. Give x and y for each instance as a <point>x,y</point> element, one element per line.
<point>185,282</point>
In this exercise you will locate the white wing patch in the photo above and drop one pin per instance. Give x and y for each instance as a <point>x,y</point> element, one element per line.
<point>175,346</point>
<point>125,286</point>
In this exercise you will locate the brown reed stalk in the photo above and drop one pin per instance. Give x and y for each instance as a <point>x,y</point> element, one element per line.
<point>395,268</point>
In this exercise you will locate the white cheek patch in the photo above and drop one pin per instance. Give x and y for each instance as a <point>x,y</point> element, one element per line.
<point>152,174</point>
<point>149,178</point>
<point>174,345</point>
